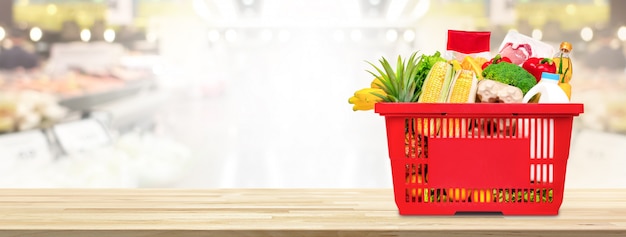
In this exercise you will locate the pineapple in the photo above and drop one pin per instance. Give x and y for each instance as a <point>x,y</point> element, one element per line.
<point>399,85</point>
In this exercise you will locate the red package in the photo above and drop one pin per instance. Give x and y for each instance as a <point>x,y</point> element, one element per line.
<point>474,43</point>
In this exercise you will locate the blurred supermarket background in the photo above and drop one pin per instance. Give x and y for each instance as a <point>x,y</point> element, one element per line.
<point>253,93</point>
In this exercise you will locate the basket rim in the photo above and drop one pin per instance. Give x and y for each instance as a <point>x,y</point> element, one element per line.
<point>474,109</point>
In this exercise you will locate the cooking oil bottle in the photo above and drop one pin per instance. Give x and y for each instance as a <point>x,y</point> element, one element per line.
<point>564,68</point>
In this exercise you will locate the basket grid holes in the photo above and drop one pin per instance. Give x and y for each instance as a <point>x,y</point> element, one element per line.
<point>540,131</point>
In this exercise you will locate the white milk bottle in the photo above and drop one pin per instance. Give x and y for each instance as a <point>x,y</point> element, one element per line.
<point>547,90</point>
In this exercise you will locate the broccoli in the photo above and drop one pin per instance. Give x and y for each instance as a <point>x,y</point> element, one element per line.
<point>510,74</point>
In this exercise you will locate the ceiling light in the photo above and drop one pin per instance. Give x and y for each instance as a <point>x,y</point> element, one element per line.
<point>2,33</point>
<point>621,33</point>
<point>586,34</point>
<point>36,34</point>
<point>391,35</point>
<point>409,35</point>
<point>85,35</point>
<point>109,35</point>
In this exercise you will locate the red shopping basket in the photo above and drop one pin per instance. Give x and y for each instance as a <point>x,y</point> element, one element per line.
<point>482,157</point>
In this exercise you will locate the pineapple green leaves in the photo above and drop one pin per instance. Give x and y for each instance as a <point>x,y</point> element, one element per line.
<point>400,85</point>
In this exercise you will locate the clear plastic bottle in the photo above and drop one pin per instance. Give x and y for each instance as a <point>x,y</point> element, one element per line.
<point>563,62</point>
<point>547,90</point>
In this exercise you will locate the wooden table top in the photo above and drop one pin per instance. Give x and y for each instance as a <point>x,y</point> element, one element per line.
<point>282,212</point>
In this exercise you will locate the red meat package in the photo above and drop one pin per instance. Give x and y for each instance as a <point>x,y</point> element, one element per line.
<point>464,43</point>
<point>519,48</point>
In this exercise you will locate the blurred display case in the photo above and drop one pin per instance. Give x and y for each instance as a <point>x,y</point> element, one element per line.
<point>86,119</point>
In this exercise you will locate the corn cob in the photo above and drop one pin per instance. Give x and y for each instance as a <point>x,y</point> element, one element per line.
<point>433,87</point>
<point>463,88</point>
<point>433,92</point>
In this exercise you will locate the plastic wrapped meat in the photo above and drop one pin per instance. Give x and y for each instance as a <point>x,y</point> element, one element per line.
<point>518,53</point>
<point>519,48</point>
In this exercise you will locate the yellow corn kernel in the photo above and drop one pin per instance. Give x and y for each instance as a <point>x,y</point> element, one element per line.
<point>434,83</point>
<point>463,89</point>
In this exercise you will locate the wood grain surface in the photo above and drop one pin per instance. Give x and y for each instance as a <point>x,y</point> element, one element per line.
<point>282,212</point>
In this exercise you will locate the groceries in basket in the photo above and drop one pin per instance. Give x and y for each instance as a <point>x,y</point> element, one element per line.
<point>455,78</point>
<point>477,78</point>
